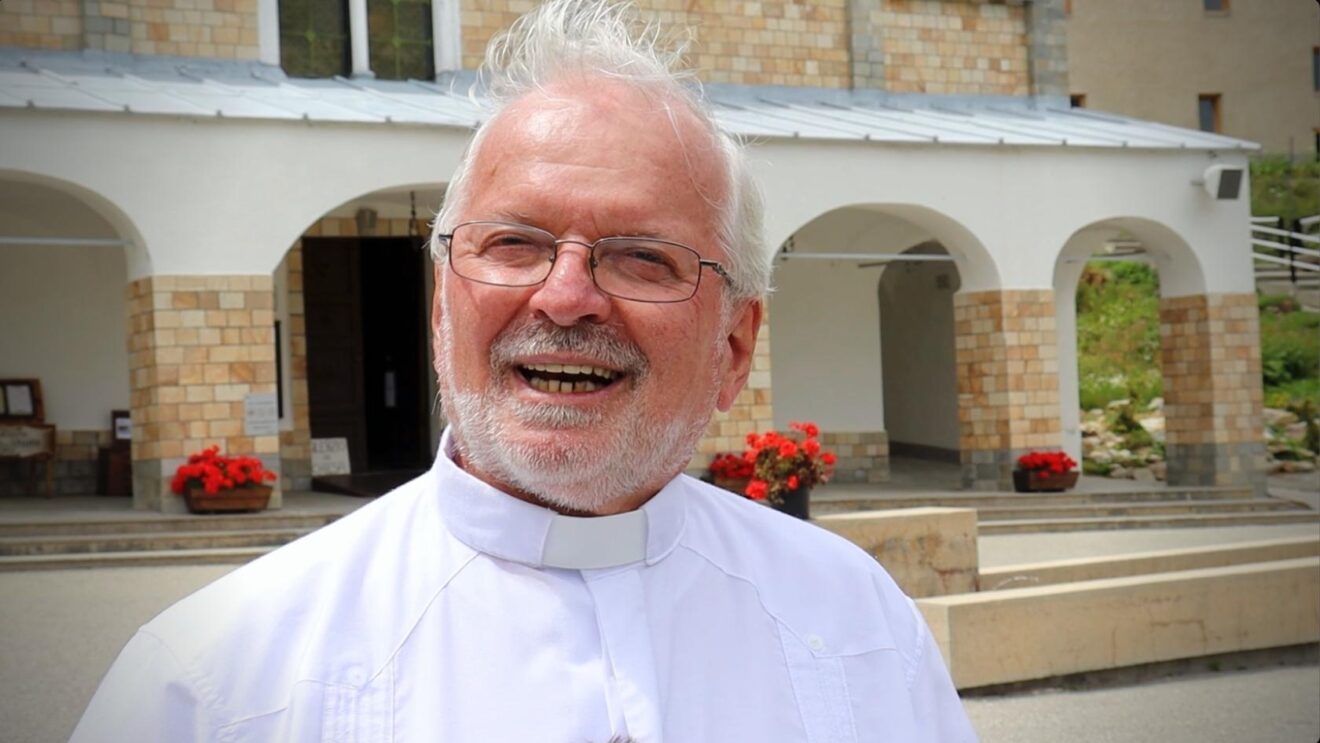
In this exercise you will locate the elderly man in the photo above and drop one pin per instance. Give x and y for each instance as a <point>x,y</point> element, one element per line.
<point>554,577</point>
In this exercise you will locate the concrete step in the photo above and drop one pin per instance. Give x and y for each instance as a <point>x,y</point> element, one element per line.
<point>220,556</point>
<point>842,502</point>
<point>1161,508</point>
<point>1025,526</point>
<point>153,541</point>
<point>148,524</point>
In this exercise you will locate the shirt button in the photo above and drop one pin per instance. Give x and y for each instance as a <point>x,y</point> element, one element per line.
<point>815,643</point>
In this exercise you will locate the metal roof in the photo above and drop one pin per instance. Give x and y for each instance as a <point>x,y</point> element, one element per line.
<point>196,88</point>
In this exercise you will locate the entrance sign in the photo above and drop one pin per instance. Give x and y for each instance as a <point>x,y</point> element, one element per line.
<point>261,416</point>
<point>330,457</point>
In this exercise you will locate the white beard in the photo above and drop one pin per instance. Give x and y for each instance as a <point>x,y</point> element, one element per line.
<point>638,452</point>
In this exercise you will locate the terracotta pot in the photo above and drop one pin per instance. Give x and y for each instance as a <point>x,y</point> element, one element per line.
<point>1036,481</point>
<point>228,501</point>
<point>795,503</point>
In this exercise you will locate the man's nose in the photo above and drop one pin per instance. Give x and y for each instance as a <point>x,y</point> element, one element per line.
<point>569,294</point>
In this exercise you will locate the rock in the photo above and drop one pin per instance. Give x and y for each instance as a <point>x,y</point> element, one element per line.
<point>1092,428</point>
<point>1101,456</point>
<point>1298,466</point>
<point>1116,404</point>
<point>1152,424</point>
<point>1275,418</point>
<point>1296,431</point>
<point>1095,413</point>
<point>1156,404</point>
<point>1119,472</point>
<point>1160,470</point>
<point>1143,474</point>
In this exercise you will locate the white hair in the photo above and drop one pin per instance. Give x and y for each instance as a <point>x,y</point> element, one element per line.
<point>608,39</point>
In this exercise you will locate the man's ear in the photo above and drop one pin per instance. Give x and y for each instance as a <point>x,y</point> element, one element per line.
<point>742,347</point>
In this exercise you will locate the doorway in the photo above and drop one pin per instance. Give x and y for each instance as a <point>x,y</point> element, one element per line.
<point>366,351</point>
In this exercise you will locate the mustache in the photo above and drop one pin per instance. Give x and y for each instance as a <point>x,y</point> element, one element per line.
<point>601,343</point>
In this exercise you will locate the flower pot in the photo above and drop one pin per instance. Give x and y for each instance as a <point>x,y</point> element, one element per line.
<point>796,502</point>
<point>1039,481</point>
<point>228,501</point>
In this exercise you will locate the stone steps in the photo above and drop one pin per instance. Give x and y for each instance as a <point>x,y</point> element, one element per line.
<point>1026,526</point>
<point>74,561</point>
<point>144,542</point>
<point>1159,508</point>
<point>146,524</point>
<point>844,502</point>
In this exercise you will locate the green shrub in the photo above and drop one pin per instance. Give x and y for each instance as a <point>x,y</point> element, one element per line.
<point>1090,467</point>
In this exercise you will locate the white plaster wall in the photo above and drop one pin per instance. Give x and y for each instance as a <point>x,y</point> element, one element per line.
<point>65,324</point>
<point>825,347</point>
<point>1005,212</point>
<point>920,370</point>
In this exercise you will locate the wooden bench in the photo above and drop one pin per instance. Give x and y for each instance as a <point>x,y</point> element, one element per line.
<point>24,434</point>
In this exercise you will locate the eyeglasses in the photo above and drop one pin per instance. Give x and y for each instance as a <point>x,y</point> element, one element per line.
<point>640,269</point>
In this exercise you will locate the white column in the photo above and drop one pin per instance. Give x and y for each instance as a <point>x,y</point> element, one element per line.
<point>446,36</point>
<point>268,32</point>
<point>357,33</point>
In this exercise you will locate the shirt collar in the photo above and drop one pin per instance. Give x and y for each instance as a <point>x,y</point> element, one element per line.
<point>493,522</point>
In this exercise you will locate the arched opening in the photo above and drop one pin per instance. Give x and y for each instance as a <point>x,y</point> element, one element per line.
<point>351,306</point>
<point>64,265</point>
<point>862,325</point>
<point>1119,360</point>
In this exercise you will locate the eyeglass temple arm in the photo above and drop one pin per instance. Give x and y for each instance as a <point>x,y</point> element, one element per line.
<point>718,268</point>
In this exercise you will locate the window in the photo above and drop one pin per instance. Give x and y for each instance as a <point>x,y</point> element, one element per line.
<point>1207,109</point>
<point>1077,100</point>
<point>314,38</point>
<point>399,37</point>
<point>1215,6</point>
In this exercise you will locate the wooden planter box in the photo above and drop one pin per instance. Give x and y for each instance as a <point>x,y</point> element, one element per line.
<point>228,501</point>
<point>1032,481</point>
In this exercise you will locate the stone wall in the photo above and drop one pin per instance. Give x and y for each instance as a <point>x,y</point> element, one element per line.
<point>945,47</point>
<point>776,42</point>
<point>198,345</point>
<point>296,443</point>
<point>863,457</point>
<point>219,29</point>
<point>75,466</point>
<point>1008,381</point>
<point>1213,399</point>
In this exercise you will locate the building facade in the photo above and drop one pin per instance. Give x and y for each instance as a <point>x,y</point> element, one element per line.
<point>203,201</point>
<point>1246,69</point>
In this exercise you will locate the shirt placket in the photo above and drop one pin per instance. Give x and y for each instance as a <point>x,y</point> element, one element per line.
<point>626,642</point>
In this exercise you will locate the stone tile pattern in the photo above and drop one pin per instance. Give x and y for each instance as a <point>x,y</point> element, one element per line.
<point>863,455</point>
<point>296,443</point>
<point>1008,387</point>
<point>218,29</point>
<point>41,24</point>
<point>752,410</point>
<point>75,466</point>
<point>927,551</point>
<point>1213,399</point>
<point>776,42</point>
<point>198,345</point>
<point>942,47</point>
<point>1049,47</point>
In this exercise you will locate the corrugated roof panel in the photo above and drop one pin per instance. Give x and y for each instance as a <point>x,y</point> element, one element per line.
<point>68,81</point>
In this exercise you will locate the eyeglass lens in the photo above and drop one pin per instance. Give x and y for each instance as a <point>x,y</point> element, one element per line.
<point>637,268</point>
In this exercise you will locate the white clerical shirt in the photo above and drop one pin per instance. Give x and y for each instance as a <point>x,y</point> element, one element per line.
<point>450,611</point>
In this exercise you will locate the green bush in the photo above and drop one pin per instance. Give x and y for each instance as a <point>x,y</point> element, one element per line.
<point>1289,344</point>
<point>1283,189</point>
<point>1096,468</point>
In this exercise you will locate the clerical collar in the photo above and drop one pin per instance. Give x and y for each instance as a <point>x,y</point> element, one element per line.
<point>491,521</point>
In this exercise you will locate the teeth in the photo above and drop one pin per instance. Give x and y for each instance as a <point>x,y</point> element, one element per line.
<point>554,385</point>
<point>581,369</point>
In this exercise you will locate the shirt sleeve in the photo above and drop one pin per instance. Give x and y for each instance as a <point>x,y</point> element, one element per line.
<point>145,696</point>
<point>934,698</point>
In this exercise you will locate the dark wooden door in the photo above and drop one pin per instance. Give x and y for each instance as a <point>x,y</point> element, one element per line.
<point>332,295</point>
<point>366,349</point>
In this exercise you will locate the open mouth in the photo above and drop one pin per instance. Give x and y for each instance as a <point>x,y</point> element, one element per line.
<point>568,377</point>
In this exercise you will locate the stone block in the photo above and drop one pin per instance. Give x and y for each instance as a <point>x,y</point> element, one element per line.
<point>928,551</point>
<point>1000,637</point>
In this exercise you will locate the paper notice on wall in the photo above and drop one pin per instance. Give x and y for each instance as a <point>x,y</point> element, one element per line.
<point>23,441</point>
<point>330,457</point>
<point>261,415</point>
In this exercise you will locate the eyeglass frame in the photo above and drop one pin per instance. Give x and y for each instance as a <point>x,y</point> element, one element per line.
<point>716,266</point>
